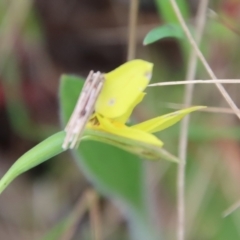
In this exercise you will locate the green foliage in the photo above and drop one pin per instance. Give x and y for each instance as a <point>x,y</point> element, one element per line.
<point>37,155</point>
<point>165,31</point>
<point>167,13</point>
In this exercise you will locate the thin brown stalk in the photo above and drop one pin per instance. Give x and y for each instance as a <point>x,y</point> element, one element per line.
<point>192,65</point>
<point>95,220</point>
<point>87,202</point>
<point>203,60</point>
<point>133,15</point>
<point>78,212</point>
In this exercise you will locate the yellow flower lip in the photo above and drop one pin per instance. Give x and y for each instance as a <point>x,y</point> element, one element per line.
<point>143,131</point>
<point>119,129</point>
<point>123,87</point>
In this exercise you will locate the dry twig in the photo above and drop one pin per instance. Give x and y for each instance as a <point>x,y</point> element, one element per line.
<point>192,65</point>
<point>189,82</point>
<point>133,14</point>
<point>203,60</point>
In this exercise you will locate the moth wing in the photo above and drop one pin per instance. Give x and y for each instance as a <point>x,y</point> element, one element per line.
<point>83,109</point>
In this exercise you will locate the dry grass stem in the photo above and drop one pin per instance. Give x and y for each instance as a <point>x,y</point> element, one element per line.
<point>203,60</point>
<point>87,202</point>
<point>77,214</point>
<point>95,220</point>
<point>133,15</point>
<point>227,81</point>
<point>191,72</point>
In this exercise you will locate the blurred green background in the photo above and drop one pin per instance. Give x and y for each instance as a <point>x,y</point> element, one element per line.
<point>42,39</point>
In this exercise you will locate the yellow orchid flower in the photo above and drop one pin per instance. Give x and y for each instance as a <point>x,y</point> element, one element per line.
<point>106,103</point>
<point>122,91</point>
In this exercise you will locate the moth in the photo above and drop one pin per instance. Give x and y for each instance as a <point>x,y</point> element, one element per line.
<point>83,110</point>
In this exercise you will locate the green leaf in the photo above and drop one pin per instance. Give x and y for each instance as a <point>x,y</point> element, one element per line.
<point>37,155</point>
<point>167,13</point>
<point>165,31</point>
<point>141,149</point>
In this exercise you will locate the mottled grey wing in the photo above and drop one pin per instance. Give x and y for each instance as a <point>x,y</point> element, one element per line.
<point>83,109</point>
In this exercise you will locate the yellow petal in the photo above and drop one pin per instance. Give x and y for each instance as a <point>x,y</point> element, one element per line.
<point>122,130</point>
<point>122,88</point>
<point>125,117</point>
<point>159,123</point>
